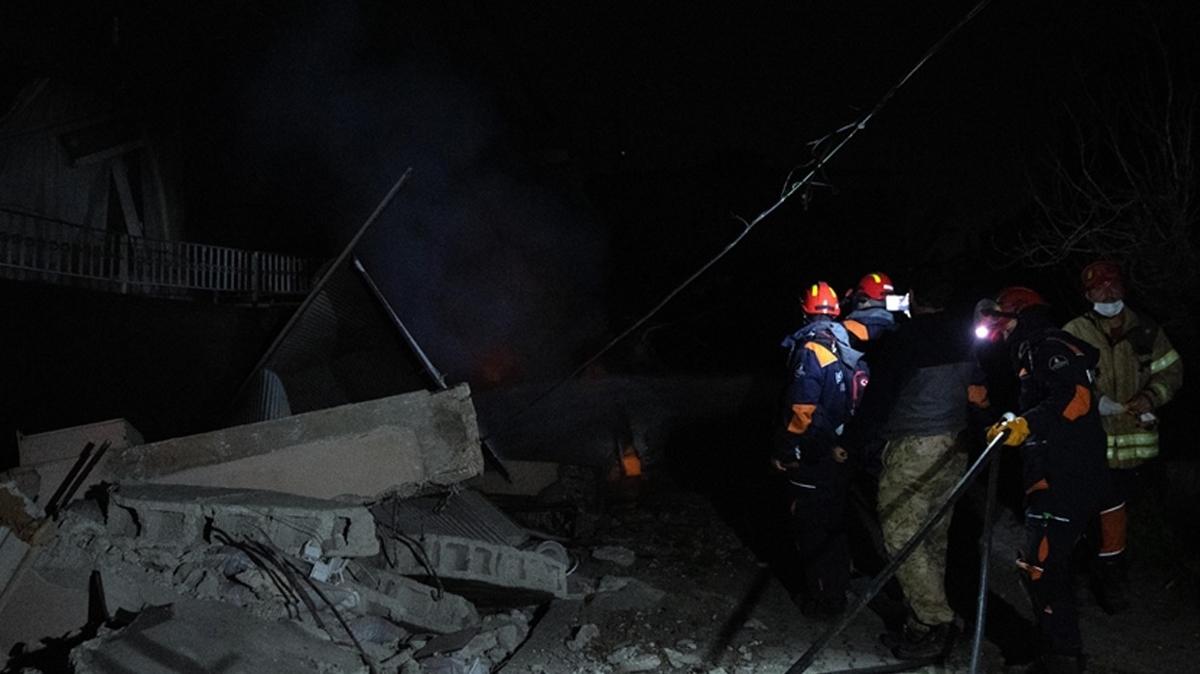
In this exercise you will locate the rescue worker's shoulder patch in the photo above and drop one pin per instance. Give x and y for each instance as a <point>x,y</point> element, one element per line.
<point>1058,362</point>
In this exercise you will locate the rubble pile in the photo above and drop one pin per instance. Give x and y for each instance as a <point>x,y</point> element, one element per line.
<point>161,564</point>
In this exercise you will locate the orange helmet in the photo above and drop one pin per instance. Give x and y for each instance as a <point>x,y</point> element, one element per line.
<point>821,299</point>
<point>876,286</point>
<point>1102,278</point>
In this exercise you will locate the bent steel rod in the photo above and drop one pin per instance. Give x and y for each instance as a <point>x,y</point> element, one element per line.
<point>888,571</point>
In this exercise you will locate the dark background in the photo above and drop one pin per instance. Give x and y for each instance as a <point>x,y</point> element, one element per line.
<point>572,163</point>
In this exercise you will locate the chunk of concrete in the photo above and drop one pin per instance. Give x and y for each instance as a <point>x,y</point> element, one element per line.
<point>488,574</point>
<point>397,444</point>
<point>411,604</point>
<point>17,512</point>
<point>67,443</point>
<point>207,636</point>
<point>181,516</point>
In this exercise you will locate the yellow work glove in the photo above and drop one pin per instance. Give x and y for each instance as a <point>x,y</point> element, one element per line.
<point>1018,430</point>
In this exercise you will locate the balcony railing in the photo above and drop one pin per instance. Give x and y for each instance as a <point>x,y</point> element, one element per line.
<point>36,248</point>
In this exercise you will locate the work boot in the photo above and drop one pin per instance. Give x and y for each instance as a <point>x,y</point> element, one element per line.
<point>1110,587</point>
<point>922,644</point>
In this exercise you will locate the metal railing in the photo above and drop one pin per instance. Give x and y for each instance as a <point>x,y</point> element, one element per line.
<point>37,248</point>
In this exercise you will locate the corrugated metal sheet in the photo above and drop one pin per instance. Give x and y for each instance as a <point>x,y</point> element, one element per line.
<point>342,349</point>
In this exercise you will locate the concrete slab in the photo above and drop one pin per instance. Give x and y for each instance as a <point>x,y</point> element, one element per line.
<point>411,604</point>
<point>67,443</point>
<point>466,514</point>
<point>206,636</point>
<point>488,574</point>
<point>179,516</point>
<point>38,604</point>
<point>397,444</point>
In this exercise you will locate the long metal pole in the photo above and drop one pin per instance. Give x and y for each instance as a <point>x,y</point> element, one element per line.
<point>985,554</point>
<point>430,369</point>
<point>888,571</point>
<point>329,272</point>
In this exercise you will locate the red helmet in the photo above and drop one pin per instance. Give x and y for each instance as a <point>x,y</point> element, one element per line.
<point>991,316</point>
<point>1013,300</point>
<point>821,299</point>
<point>1102,280</point>
<point>876,286</point>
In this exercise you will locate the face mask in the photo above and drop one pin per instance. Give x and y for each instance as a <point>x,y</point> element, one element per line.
<point>1108,309</point>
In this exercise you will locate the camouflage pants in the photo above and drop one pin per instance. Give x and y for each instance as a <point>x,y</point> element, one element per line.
<point>917,472</point>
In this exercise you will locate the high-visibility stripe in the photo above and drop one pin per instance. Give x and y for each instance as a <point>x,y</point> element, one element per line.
<point>1161,393</point>
<point>1132,446</point>
<point>1132,439</point>
<point>1164,361</point>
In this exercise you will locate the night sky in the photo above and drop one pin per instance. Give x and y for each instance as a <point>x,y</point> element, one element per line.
<point>574,161</point>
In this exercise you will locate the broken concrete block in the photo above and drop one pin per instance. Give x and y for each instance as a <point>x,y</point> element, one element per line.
<point>466,514</point>
<point>67,443</point>
<point>487,574</point>
<point>207,636</point>
<point>411,604</point>
<point>181,516</point>
<point>397,444</point>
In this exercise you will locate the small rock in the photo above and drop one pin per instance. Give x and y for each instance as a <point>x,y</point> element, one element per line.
<point>678,659</point>
<point>508,637</point>
<point>583,635</point>
<point>622,655</point>
<point>717,670</point>
<point>756,624</point>
<point>616,554</point>
<point>686,644</point>
<point>642,663</point>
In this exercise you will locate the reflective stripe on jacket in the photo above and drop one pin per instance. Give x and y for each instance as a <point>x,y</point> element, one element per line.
<point>1141,360</point>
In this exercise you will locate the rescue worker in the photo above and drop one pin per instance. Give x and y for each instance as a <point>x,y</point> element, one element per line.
<point>1139,372</point>
<point>808,452</point>
<point>924,382</point>
<point>1062,455</point>
<point>869,318</point>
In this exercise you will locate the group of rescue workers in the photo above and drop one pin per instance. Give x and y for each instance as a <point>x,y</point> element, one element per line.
<point>1085,424</point>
